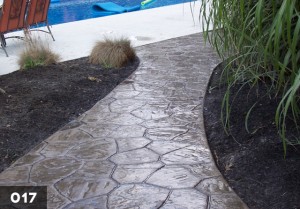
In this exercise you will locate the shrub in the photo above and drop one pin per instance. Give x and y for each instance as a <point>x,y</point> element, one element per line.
<point>112,53</point>
<point>36,53</point>
<point>260,41</point>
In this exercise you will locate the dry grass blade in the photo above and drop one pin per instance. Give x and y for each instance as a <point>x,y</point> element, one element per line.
<point>112,53</point>
<point>36,53</point>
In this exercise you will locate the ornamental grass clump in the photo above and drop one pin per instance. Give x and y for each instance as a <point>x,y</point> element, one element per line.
<point>112,53</point>
<point>260,42</point>
<point>36,53</point>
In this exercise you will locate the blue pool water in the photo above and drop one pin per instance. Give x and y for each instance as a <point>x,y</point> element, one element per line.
<point>73,10</point>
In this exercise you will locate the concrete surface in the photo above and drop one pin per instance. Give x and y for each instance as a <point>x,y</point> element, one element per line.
<point>76,39</point>
<point>142,146</point>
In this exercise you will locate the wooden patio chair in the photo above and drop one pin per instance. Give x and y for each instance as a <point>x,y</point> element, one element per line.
<point>12,18</point>
<point>38,14</point>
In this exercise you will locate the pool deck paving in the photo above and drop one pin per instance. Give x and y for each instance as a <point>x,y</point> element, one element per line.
<point>142,146</point>
<point>76,39</point>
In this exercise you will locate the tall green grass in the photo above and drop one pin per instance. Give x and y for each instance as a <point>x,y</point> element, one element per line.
<point>260,41</point>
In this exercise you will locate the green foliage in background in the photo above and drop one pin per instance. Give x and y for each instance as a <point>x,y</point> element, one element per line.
<point>260,41</point>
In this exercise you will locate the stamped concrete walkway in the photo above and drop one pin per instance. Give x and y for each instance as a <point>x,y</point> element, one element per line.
<point>142,146</point>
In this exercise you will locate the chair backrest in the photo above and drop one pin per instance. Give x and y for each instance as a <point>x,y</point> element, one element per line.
<point>13,15</point>
<point>37,11</point>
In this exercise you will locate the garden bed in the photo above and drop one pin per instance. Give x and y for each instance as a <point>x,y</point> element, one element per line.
<point>38,102</point>
<point>252,163</point>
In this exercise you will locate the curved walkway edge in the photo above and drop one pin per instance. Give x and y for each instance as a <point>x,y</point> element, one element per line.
<point>142,146</point>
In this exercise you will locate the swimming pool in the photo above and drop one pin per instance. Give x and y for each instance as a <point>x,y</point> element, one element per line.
<point>73,10</point>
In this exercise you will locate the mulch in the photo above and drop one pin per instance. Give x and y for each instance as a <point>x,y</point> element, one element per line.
<point>36,103</point>
<point>253,162</point>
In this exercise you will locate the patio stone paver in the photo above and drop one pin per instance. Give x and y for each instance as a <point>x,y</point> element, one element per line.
<point>99,202</point>
<point>166,133</point>
<point>96,150</point>
<point>82,188</point>
<point>127,144</point>
<point>186,198</point>
<point>137,196</point>
<point>173,178</point>
<point>15,176</point>
<point>142,146</point>
<point>164,122</point>
<point>138,156</point>
<point>135,173</point>
<point>187,155</point>
<point>51,170</point>
<point>164,147</point>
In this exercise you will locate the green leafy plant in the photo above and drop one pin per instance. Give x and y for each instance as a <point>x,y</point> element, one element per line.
<point>112,53</point>
<point>260,42</point>
<point>36,53</point>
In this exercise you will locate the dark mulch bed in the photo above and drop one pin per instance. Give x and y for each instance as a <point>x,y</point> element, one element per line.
<point>253,163</point>
<point>39,101</point>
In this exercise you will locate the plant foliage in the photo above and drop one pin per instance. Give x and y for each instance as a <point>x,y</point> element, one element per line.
<point>36,53</point>
<point>112,53</point>
<point>260,40</point>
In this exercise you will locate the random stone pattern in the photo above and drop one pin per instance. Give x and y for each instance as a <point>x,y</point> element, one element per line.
<point>183,199</point>
<point>137,196</point>
<point>142,146</point>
